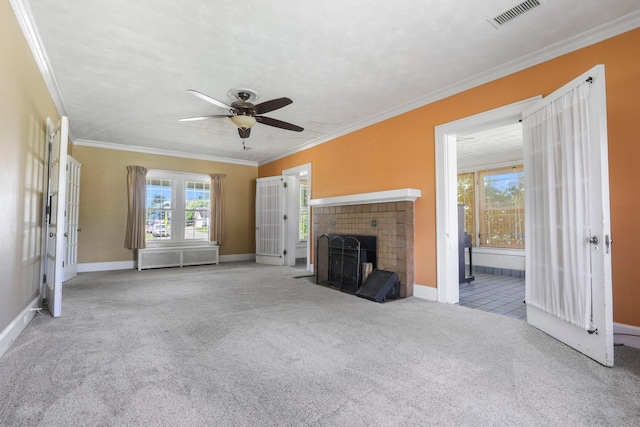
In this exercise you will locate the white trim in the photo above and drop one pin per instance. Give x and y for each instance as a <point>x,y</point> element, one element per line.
<point>621,328</point>
<point>160,152</point>
<point>26,21</point>
<point>489,166</point>
<point>446,191</point>
<point>498,251</point>
<point>237,257</point>
<point>400,195</point>
<point>18,324</point>
<point>425,292</point>
<point>89,267</point>
<point>592,36</point>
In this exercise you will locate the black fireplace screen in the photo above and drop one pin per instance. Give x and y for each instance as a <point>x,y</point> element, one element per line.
<point>339,260</point>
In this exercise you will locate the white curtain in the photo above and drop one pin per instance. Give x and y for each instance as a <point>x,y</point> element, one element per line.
<point>556,162</point>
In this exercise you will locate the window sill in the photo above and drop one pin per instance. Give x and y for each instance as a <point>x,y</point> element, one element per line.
<point>498,251</point>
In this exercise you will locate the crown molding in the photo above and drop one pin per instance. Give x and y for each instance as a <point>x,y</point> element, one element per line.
<point>25,20</point>
<point>160,152</point>
<point>595,35</point>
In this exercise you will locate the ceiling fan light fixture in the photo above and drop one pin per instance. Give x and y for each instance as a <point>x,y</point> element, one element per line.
<point>243,121</point>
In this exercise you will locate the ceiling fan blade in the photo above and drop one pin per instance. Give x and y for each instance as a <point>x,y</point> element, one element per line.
<point>278,123</point>
<point>244,132</point>
<point>274,104</point>
<point>214,116</point>
<point>209,99</point>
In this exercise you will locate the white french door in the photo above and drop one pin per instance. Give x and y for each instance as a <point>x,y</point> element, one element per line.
<point>275,243</point>
<point>568,235</point>
<point>72,226</point>
<point>55,250</point>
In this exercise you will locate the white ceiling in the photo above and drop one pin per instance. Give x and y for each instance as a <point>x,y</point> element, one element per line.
<point>491,147</point>
<point>121,69</point>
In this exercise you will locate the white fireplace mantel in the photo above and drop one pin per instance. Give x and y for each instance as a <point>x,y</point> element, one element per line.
<point>400,195</point>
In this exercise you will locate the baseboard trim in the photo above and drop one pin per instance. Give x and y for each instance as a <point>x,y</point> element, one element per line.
<point>131,265</point>
<point>14,329</point>
<point>106,266</point>
<point>237,257</point>
<point>631,341</point>
<point>425,292</point>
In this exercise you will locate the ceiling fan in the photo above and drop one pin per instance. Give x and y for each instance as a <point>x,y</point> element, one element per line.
<point>244,113</point>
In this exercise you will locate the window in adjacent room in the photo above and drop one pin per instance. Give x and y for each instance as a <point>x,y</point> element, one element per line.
<point>466,196</point>
<point>498,199</point>
<point>303,227</point>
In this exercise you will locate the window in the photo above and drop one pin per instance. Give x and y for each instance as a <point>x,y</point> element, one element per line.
<point>466,196</point>
<point>303,223</point>
<point>158,208</point>
<point>197,198</point>
<point>499,200</point>
<point>178,207</point>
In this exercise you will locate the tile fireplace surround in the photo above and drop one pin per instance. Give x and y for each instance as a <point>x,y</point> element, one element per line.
<point>388,215</point>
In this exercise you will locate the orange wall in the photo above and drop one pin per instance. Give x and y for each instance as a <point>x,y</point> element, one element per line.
<point>399,153</point>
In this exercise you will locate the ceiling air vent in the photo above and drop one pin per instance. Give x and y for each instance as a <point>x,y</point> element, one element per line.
<point>514,12</point>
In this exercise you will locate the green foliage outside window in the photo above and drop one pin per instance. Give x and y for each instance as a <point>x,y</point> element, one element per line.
<point>303,229</point>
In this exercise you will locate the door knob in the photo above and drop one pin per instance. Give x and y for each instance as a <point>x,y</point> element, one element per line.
<point>594,240</point>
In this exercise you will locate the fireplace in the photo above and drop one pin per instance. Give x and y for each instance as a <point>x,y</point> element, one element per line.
<point>387,215</point>
<point>340,259</point>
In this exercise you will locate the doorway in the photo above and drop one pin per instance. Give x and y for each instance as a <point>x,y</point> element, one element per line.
<point>446,189</point>
<point>299,205</point>
<point>567,197</point>
<point>490,190</point>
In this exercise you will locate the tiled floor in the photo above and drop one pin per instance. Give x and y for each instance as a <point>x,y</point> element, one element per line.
<point>496,294</point>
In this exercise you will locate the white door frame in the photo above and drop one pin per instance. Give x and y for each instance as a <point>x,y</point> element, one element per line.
<point>295,171</point>
<point>446,190</point>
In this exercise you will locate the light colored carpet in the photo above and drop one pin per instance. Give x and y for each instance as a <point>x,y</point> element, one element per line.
<point>245,345</point>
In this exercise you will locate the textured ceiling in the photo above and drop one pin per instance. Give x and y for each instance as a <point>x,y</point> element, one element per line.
<point>490,147</point>
<point>121,69</point>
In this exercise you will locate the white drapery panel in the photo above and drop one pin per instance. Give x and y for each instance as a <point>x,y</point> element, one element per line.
<point>556,161</point>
